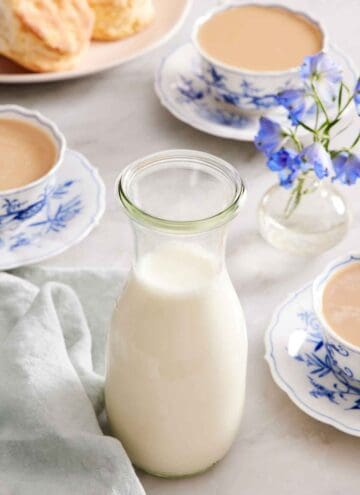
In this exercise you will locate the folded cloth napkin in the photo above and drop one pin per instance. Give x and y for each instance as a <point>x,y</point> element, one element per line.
<point>52,337</point>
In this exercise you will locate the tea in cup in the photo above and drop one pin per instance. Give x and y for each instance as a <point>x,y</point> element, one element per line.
<point>336,295</point>
<point>31,152</point>
<point>251,52</point>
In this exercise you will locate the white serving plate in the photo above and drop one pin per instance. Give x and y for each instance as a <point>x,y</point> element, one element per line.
<point>108,54</point>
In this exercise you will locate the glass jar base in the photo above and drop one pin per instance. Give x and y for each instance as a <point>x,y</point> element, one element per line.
<point>297,242</point>
<point>318,223</point>
<point>175,476</point>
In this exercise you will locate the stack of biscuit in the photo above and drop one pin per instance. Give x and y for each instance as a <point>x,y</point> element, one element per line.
<point>52,35</point>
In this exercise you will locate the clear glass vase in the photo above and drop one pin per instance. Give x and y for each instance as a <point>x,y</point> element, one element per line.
<point>177,347</point>
<point>308,225</point>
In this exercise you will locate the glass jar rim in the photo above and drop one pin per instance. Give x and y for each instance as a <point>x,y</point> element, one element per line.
<point>139,215</point>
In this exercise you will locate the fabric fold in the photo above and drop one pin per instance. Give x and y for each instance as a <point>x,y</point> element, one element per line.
<point>50,395</point>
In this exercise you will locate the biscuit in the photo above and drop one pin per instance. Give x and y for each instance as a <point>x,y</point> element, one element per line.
<point>117,19</point>
<point>45,35</point>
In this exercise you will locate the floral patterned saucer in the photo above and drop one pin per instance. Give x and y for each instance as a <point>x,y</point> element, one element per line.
<point>303,365</point>
<point>188,95</point>
<point>65,215</point>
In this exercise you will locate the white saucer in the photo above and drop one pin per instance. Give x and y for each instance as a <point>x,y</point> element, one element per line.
<point>75,205</point>
<point>183,93</point>
<point>300,366</point>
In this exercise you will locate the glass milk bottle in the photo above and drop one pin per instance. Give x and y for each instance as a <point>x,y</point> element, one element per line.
<point>177,348</point>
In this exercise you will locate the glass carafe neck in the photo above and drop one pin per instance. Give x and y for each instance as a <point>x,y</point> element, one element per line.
<point>180,203</point>
<point>210,244</point>
<point>180,191</point>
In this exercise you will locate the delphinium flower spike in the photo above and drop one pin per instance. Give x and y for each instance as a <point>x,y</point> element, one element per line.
<point>326,97</point>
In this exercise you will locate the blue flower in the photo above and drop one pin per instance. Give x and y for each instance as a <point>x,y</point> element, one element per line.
<point>294,102</point>
<point>317,158</point>
<point>287,178</point>
<point>324,73</point>
<point>357,96</point>
<point>347,168</point>
<point>282,159</point>
<point>285,163</point>
<point>269,137</point>
<point>320,67</point>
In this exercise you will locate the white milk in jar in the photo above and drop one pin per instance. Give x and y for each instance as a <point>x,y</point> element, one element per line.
<point>177,346</point>
<point>176,369</point>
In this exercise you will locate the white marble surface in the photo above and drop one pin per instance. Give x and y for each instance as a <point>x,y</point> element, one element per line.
<point>114,118</point>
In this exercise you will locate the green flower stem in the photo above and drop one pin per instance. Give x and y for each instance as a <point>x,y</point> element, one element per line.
<point>345,107</point>
<point>347,89</point>
<point>356,140</point>
<point>295,196</point>
<point>296,140</point>
<point>305,126</point>
<point>340,96</point>
<point>298,192</point>
<point>319,101</point>
<point>322,133</point>
<point>317,118</point>
<point>342,130</point>
<point>327,126</point>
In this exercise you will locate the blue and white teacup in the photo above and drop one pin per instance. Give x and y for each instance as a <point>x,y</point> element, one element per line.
<point>251,91</point>
<point>22,206</point>
<point>344,357</point>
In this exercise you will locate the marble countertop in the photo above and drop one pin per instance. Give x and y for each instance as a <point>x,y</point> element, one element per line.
<point>114,118</point>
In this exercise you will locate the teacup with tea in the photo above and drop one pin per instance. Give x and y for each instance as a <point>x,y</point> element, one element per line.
<point>31,152</point>
<point>336,295</point>
<point>27,153</point>
<point>251,52</point>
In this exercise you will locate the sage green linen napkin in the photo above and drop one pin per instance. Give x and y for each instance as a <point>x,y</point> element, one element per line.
<point>53,326</point>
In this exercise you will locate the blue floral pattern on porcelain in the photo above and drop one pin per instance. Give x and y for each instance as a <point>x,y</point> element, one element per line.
<point>190,92</point>
<point>249,93</point>
<point>23,222</point>
<point>326,378</point>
